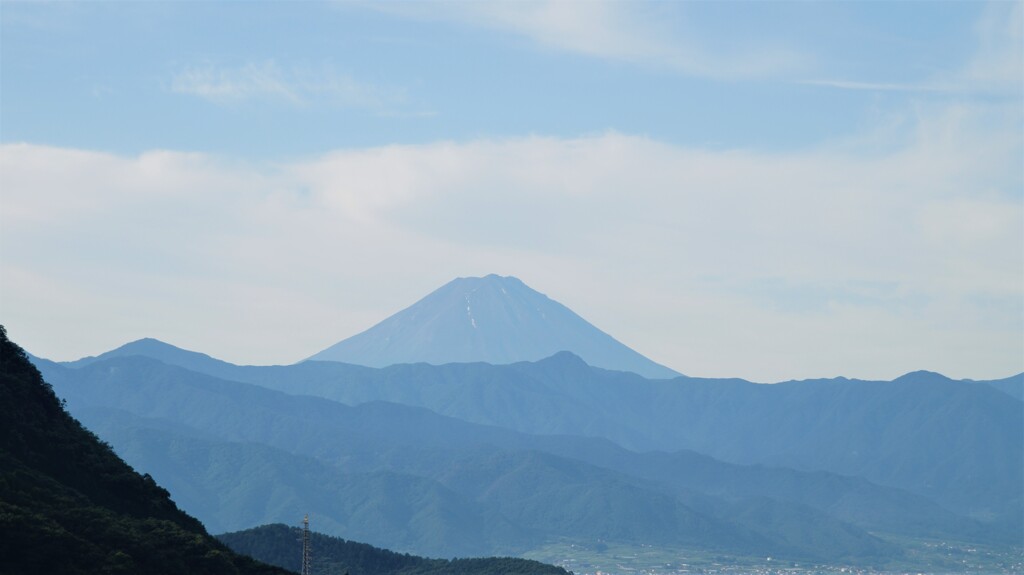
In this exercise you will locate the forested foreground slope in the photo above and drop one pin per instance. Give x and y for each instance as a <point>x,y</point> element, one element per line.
<point>69,505</point>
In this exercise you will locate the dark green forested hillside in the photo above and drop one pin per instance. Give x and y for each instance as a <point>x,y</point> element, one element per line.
<point>278,545</point>
<point>69,505</point>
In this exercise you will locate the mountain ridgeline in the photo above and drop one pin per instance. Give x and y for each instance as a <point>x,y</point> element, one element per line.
<point>957,443</point>
<point>492,319</point>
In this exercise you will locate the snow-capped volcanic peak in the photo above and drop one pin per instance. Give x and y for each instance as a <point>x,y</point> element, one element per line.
<point>492,319</point>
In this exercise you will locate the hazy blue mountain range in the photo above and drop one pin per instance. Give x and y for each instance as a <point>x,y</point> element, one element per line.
<point>489,469</point>
<point>1013,386</point>
<point>958,443</point>
<point>147,443</point>
<point>238,484</point>
<point>169,354</point>
<point>492,319</point>
<point>385,436</point>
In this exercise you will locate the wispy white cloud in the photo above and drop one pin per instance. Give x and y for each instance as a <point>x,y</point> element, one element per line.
<point>661,36</point>
<point>297,85</point>
<point>230,84</point>
<point>996,67</point>
<point>887,86</point>
<point>998,63</point>
<point>914,256</point>
<point>632,32</point>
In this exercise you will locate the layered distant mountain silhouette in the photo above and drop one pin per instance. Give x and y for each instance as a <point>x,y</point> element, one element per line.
<point>474,458</point>
<point>412,480</point>
<point>492,319</point>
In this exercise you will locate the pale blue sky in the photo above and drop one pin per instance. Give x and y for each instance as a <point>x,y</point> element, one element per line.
<point>109,75</point>
<point>757,189</point>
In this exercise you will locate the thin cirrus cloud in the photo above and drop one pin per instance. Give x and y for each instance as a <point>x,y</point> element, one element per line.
<point>885,86</point>
<point>995,68</point>
<point>661,36</point>
<point>296,85</point>
<point>999,60</point>
<point>612,30</point>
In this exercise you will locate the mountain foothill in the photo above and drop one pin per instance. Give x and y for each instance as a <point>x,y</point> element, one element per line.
<point>487,419</point>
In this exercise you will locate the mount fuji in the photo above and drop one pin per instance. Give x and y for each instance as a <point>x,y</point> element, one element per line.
<point>492,319</point>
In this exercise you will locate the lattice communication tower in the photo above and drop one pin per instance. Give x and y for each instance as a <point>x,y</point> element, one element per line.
<point>307,553</point>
